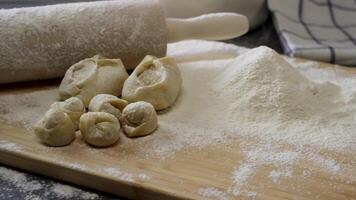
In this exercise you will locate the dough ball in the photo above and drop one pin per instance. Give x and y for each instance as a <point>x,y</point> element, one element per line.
<point>92,76</point>
<point>73,106</point>
<point>99,128</point>
<point>55,128</point>
<point>139,119</point>
<point>107,103</point>
<point>157,81</point>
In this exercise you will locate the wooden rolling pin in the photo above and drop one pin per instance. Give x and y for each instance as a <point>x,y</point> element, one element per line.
<point>42,42</point>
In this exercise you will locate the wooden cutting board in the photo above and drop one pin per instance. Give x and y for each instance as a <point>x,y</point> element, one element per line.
<point>181,176</point>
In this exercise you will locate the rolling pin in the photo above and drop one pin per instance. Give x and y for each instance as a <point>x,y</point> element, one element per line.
<point>43,42</point>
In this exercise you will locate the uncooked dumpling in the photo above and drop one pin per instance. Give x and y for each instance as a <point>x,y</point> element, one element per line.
<point>92,76</point>
<point>99,128</point>
<point>55,128</point>
<point>157,81</point>
<point>107,103</point>
<point>138,119</point>
<point>73,106</point>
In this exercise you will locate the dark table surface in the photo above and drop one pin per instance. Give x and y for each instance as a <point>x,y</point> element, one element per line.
<point>16,184</point>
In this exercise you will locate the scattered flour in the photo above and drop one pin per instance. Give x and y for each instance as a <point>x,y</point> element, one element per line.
<point>213,193</point>
<point>68,192</point>
<point>251,194</point>
<point>328,164</point>
<point>243,173</point>
<point>257,157</point>
<point>277,174</point>
<point>10,146</point>
<point>123,175</point>
<point>21,106</point>
<point>143,177</point>
<point>63,191</point>
<point>76,166</point>
<point>31,189</point>
<point>313,71</point>
<point>19,180</point>
<point>32,197</point>
<point>116,172</point>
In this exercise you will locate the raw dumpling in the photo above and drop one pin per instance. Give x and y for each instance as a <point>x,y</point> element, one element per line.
<point>107,103</point>
<point>92,76</point>
<point>157,81</point>
<point>99,128</point>
<point>73,106</point>
<point>55,128</point>
<point>138,119</point>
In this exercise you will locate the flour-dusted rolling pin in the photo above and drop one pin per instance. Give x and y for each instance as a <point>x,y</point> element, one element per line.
<point>42,42</point>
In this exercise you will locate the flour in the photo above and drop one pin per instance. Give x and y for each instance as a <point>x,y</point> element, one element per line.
<point>264,92</point>
<point>115,172</point>
<point>261,81</point>
<point>329,164</point>
<point>68,192</point>
<point>269,99</point>
<point>277,174</point>
<point>143,177</point>
<point>63,191</point>
<point>280,116</point>
<point>214,193</point>
<point>30,189</point>
<point>9,146</point>
<point>124,175</point>
<point>26,107</point>
<point>313,71</point>
<point>19,180</point>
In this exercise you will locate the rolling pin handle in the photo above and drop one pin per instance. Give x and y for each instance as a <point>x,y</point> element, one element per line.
<point>215,26</point>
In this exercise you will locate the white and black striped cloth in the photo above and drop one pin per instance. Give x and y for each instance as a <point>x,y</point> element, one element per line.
<point>323,30</point>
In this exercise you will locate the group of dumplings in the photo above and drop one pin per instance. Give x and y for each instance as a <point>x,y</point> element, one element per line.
<point>95,83</point>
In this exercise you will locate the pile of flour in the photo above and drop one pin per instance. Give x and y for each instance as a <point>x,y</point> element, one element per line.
<point>231,95</point>
<point>261,85</point>
<point>263,92</point>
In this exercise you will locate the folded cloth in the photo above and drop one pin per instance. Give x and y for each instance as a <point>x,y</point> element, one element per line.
<point>322,30</point>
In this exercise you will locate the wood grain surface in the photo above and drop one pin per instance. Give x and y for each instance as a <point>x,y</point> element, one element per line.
<point>177,177</point>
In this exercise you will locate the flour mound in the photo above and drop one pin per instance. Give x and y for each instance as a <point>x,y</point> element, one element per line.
<point>261,85</point>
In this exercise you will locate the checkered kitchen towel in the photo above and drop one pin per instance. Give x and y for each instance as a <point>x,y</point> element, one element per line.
<point>322,30</point>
